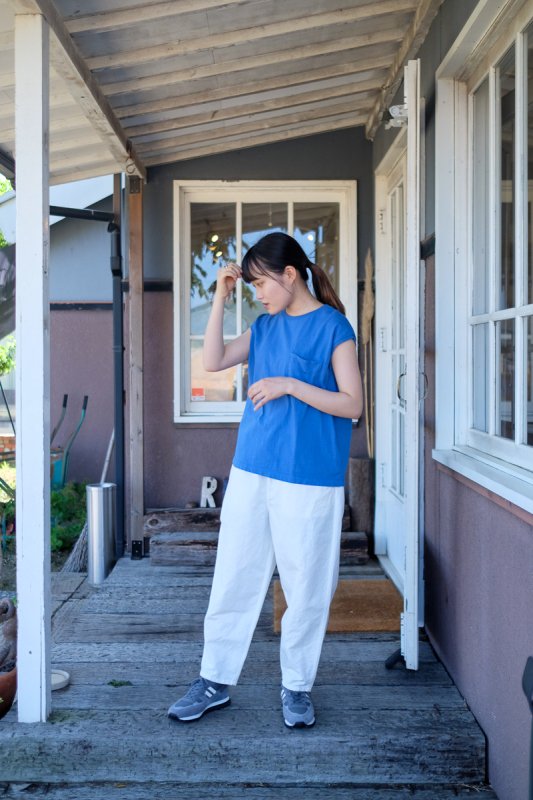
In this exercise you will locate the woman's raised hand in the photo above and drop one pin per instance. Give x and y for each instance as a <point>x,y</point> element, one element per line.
<point>227,277</point>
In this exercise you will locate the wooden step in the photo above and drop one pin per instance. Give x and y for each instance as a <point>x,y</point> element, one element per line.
<point>179,791</point>
<point>172,520</point>
<point>247,743</point>
<point>198,548</point>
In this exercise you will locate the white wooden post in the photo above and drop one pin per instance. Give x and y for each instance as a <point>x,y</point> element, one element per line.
<point>33,367</point>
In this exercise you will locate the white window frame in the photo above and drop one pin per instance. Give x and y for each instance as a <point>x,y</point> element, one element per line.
<point>187,192</point>
<point>499,465</point>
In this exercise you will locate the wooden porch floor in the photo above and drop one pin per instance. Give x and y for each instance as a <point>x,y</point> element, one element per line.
<point>132,646</point>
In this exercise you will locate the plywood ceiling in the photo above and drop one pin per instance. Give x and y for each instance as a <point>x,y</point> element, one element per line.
<point>180,79</point>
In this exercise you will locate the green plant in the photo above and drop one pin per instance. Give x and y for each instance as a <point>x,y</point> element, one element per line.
<point>68,512</point>
<point>7,355</point>
<point>5,186</point>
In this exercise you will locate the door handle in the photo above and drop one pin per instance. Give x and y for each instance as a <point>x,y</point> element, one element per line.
<point>398,385</point>
<point>426,386</point>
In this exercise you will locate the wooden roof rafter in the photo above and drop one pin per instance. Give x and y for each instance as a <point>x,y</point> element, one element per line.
<point>67,61</point>
<point>418,29</point>
<point>214,41</point>
<point>290,54</point>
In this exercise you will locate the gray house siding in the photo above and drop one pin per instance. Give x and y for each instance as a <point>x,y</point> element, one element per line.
<point>478,556</point>
<point>81,339</point>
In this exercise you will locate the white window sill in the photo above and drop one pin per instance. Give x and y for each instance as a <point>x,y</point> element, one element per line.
<point>512,483</point>
<point>191,419</point>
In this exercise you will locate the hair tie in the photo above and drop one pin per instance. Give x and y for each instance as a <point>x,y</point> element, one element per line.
<point>310,286</point>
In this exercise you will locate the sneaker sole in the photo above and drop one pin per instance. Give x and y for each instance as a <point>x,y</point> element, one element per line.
<point>300,724</point>
<point>212,707</point>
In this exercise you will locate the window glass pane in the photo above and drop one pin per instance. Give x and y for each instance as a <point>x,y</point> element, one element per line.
<point>258,219</point>
<point>507,189</point>
<point>480,389</point>
<point>480,208</point>
<point>529,293</point>
<point>212,243</point>
<point>210,386</point>
<point>529,379</point>
<point>505,416</point>
<point>316,228</point>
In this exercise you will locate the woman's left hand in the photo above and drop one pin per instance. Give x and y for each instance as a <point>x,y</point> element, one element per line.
<point>261,392</point>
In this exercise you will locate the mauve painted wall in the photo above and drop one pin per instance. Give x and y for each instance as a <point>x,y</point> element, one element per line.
<point>479,598</point>
<point>82,363</point>
<point>177,456</point>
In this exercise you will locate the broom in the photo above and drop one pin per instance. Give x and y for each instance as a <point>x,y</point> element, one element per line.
<point>77,560</point>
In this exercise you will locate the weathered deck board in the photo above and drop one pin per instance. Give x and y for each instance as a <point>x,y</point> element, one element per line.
<point>247,745</point>
<point>335,652</point>
<point>380,734</point>
<point>142,695</point>
<point>174,791</point>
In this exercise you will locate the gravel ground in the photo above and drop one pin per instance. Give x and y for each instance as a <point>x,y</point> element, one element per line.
<point>8,569</point>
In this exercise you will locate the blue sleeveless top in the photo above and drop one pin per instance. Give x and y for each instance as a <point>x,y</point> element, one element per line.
<point>287,439</point>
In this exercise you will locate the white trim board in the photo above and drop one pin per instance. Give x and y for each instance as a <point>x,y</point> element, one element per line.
<point>479,45</point>
<point>343,192</point>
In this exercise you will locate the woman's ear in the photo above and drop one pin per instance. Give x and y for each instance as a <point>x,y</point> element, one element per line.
<point>290,272</point>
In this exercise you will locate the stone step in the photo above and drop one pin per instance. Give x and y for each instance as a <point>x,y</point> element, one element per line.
<point>198,548</point>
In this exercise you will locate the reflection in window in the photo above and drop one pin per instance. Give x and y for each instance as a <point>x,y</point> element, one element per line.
<point>212,244</point>
<point>507,197</point>
<point>316,229</point>
<point>529,106</point>
<point>258,219</point>
<point>480,201</point>
<point>480,380</point>
<point>506,346</point>
<point>210,386</point>
<point>529,381</point>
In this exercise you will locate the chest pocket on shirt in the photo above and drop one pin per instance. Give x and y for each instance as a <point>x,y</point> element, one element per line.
<point>307,369</point>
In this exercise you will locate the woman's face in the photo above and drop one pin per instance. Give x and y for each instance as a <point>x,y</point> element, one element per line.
<point>274,291</point>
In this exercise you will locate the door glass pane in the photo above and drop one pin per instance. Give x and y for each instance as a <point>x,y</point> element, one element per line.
<point>480,207</point>
<point>505,416</point>
<point>212,244</point>
<point>258,219</point>
<point>393,199</point>
<point>507,189</point>
<point>316,228</point>
<point>210,386</point>
<point>480,350</point>
<point>529,379</point>
<point>401,223</point>
<point>401,453</point>
<point>529,293</point>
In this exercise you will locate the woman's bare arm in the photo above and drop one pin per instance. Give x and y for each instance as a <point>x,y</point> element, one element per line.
<point>217,355</point>
<point>346,402</point>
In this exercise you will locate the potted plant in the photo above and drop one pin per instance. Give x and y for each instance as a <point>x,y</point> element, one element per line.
<point>8,654</point>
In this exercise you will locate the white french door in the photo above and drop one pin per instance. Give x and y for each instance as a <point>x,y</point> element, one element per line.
<point>398,379</point>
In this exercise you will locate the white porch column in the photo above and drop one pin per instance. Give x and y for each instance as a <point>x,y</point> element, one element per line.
<point>33,367</point>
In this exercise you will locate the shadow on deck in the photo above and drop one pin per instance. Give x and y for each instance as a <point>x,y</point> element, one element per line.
<point>133,645</point>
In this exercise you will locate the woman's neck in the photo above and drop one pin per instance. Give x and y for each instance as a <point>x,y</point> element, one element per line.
<point>302,302</point>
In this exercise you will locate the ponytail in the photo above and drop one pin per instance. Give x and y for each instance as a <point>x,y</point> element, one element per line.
<point>324,291</point>
<point>273,252</point>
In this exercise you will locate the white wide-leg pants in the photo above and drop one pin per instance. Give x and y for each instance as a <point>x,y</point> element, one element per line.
<point>265,522</point>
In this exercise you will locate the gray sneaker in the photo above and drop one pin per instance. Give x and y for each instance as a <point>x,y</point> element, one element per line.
<point>202,696</point>
<point>298,710</point>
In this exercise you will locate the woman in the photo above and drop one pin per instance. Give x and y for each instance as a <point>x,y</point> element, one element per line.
<point>284,501</point>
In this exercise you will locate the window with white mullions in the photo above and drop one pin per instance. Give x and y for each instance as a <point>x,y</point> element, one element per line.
<point>216,222</point>
<point>501,223</point>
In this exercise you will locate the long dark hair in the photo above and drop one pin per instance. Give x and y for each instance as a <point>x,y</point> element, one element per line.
<point>274,252</point>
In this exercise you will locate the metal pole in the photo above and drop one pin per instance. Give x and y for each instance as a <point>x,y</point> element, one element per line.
<point>118,355</point>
